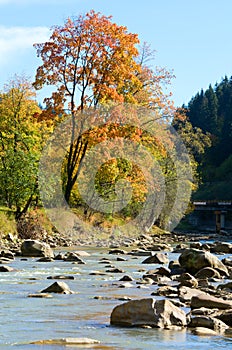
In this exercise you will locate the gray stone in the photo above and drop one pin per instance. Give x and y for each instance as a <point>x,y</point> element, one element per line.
<point>207,272</point>
<point>208,322</point>
<point>158,258</point>
<point>58,287</point>
<point>34,248</point>
<point>194,260</point>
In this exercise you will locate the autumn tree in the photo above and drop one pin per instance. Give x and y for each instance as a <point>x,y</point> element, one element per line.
<point>91,61</point>
<point>21,141</point>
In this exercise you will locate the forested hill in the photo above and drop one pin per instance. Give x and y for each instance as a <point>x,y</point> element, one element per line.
<point>211,110</point>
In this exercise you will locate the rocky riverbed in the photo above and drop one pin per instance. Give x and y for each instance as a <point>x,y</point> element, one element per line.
<point>171,282</point>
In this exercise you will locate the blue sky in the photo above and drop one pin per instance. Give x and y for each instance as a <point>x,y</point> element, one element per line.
<point>192,38</point>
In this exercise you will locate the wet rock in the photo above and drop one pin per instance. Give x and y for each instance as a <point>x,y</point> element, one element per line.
<point>81,253</point>
<point>115,270</point>
<point>40,295</point>
<point>186,294</point>
<point>35,248</point>
<point>58,287</point>
<point>196,245</point>
<point>121,259</point>
<point>158,258</point>
<point>140,252</point>
<point>225,286</point>
<point>74,258</point>
<point>67,341</point>
<point>208,322</point>
<point>60,256</point>
<point>117,251</point>
<point>194,260</point>
<point>160,313</point>
<point>221,248</point>
<point>225,316</point>
<point>209,301</point>
<point>97,273</point>
<point>227,262</point>
<point>202,331</point>
<point>5,260</point>
<point>166,291</point>
<point>125,285</point>
<point>207,272</point>
<point>126,278</point>
<point>187,280</point>
<point>161,247</point>
<point>175,268</point>
<point>4,268</point>
<point>7,254</point>
<point>45,259</point>
<point>60,277</point>
<point>162,271</point>
<point>203,311</point>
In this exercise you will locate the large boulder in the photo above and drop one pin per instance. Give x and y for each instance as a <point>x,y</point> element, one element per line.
<point>194,260</point>
<point>34,248</point>
<point>160,313</point>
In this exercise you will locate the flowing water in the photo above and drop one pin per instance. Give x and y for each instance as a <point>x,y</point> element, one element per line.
<point>24,319</point>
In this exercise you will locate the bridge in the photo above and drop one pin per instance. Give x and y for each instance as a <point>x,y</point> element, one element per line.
<point>218,213</point>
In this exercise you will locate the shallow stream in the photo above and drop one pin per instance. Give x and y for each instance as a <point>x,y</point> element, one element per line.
<point>24,319</point>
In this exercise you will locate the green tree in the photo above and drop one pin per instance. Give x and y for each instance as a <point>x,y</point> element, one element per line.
<point>21,140</point>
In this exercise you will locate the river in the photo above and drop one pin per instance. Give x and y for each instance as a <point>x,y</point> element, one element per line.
<point>25,319</point>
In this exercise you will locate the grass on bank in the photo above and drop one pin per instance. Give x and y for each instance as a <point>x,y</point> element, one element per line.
<point>96,226</point>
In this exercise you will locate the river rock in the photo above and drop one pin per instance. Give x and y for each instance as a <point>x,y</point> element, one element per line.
<point>81,253</point>
<point>126,278</point>
<point>72,256</point>
<point>158,258</point>
<point>225,286</point>
<point>60,277</point>
<point>175,268</point>
<point>4,268</point>
<point>160,313</point>
<point>187,280</point>
<point>117,251</point>
<point>207,272</point>
<point>221,248</point>
<point>209,301</point>
<point>58,287</point>
<point>208,322</point>
<point>194,260</point>
<point>7,254</point>
<point>186,294</point>
<point>202,331</point>
<point>225,316</point>
<point>35,248</point>
<point>160,247</point>
<point>227,261</point>
<point>67,341</point>
<point>166,291</point>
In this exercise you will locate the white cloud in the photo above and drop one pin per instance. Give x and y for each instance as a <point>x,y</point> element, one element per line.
<point>18,39</point>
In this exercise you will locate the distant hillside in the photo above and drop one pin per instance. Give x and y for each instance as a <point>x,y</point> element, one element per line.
<point>211,110</point>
